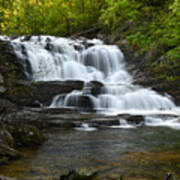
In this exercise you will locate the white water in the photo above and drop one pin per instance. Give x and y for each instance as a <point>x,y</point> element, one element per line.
<point>85,127</point>
<point>64,59</point>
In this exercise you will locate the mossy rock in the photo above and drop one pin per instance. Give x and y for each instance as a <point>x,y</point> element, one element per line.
<point>7,153</point>
<point>6,106</point>
<point>27,135</point>
<point>79,175</point>
<point>12,71</point>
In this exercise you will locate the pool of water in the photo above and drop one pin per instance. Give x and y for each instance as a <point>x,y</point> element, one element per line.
<point>70,149</point>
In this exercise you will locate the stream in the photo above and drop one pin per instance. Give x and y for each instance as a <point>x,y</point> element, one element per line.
<point>103,85</point>
<point>69,149</point>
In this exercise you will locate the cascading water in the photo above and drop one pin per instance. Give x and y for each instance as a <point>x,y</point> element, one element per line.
<point>61,59</point>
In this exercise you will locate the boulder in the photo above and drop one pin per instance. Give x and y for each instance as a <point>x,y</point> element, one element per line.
<point>96,87</point>
<point>6,178</point>
<point>1,78</point>
<point>27,135</point>
<point>12,70</point>
<point>2,89</point>
<point>134,119</point>
<point>7,153</point>
<point>45,91</point>
<point>80,175</point>
<point>81,101</point>
<point>6,106</point>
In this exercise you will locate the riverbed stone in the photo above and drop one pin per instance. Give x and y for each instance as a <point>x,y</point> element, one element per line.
<point>6,178</point>
<point>2,89</point>
<point>27,135</point>
<point>80,175</point>
<point>45,91</point>
<point>6,106</point>
<point>96,87</point>
<point>137,119</point>
<point>7,153</point>
<point>1,78</point>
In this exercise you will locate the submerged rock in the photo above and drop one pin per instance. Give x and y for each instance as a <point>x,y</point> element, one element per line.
<point>6,178</point>
<point>80,175</point>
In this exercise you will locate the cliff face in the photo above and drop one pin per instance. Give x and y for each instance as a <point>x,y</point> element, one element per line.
<point>12,77</point>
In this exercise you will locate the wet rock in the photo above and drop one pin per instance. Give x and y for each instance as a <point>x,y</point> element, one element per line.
<point>130,55</point>
<point>1,78</point>
<point>20,135</point>
<point>45,91</point>
<point>96,87</point>
<point>6,137</point>
<point>2,89</point>
<point>6,178</point>
<point>26,38</point>
<point>85,42</point>
<point>80,175</point>
<point>82,101</point>
<point>12,69</point>
<point>27,135</point>
<point>136,119</point>
<point>106,121</point>
<point>7,153</point>
<point>6,106</point>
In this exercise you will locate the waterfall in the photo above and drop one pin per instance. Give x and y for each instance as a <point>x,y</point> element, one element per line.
<point>61,59</point>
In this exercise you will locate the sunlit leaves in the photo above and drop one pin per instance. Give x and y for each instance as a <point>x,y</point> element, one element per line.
<point>56,17</point>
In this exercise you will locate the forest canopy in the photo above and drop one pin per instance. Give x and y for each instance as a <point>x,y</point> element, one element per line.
<point>142,21</point>
<point>151,27</point>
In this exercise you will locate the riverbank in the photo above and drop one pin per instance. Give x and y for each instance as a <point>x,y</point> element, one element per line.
<point>14,136</point>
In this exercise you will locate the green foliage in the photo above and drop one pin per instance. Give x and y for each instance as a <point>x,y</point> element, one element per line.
<point>140,40</point>
<point>151,26</point>
<point>118,12</point>
<point>54,17</point>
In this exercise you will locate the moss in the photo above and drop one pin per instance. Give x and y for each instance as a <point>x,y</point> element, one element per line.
<point>27,135</point>
<point>157,162</point>
<point>12,71</point>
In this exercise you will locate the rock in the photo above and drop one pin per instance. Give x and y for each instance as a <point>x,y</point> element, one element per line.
<point>2,89</point>
<point>82,101</point>
<point>80,175</point>
<point>1,78</point>
<point>7,153</point>
<point>6,178</point>
<point>14,135</point>
<point>45,91</point>
<point>96,87</point>
<point>106,121</point>
<point>12,70</point>
<point>7,137</point>
<point>137,119</point>
<point>6,106</point>
<point>27,135</point>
